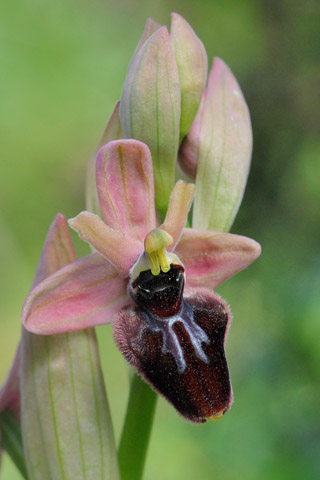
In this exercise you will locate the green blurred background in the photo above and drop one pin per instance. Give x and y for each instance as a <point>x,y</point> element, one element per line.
<point>62,67</point>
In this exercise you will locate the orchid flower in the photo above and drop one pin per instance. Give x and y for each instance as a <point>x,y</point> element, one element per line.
<point>135,280</point>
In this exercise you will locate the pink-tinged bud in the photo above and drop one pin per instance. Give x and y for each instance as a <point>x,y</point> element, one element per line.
<point>220,144</point>
<point>150,109</point>
<point>66,425</point>
<point>111,132</point>
<point>192,63</point>
<point>177,344</point>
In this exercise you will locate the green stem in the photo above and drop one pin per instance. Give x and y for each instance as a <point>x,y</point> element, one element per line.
<point>12,441</point>
<point>136,430</point>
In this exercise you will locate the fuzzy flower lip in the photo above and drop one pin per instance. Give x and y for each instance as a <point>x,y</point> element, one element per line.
<point>90,291</point>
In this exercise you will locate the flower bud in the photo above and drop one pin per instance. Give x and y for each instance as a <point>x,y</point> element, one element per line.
<point>192,66</point>
<point>150,109</point>
<point>66,425</point>
<point>220,144</point>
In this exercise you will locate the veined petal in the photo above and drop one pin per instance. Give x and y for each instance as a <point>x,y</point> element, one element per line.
<point>119,249</point>
<point>83,294</point>
<point>177,214</point>
<point>111,132</point>
<point>211,257</point>
<point>10,390</point>
<point>124,177</point>
<point>192,66</point>
<point>225,145</point>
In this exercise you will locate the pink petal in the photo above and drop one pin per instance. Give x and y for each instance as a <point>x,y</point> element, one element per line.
<point>124,179</point>
<point>83,294</point>
<point>119,249</point>
<point>10,390</point>
<point>211,257</point>
<point>177,214</point>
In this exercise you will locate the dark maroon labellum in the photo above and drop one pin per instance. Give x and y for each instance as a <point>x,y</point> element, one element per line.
<point>177,343</point>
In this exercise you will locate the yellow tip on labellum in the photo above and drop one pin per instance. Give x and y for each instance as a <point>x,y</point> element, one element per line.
<point>217,416</point>
<point>155,245</point>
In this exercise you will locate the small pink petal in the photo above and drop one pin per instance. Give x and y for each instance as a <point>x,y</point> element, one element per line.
<point>211,257</point>
<point>124,179</point>
<point>119,249</point>
<point>10,390</point>
<point>83,294</point>
<point>177,214</point>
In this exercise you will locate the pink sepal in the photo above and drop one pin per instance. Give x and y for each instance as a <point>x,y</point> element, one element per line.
<point>124,177</point>
<point>83,294</point>
<point>211,257</point>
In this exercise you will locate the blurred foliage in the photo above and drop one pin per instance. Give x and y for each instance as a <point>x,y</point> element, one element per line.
<point>63,64</point>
